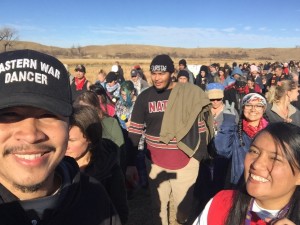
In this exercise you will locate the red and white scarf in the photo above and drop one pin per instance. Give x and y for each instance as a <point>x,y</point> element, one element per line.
<point>251,131</point>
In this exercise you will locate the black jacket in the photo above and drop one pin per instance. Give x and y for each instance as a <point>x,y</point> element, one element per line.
<point>104,166</point>
<point>82,200</point>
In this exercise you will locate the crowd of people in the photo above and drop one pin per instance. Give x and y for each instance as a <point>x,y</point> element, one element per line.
<point>224,144</point>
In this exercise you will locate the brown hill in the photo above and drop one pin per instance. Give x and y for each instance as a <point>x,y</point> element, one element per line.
<point>103,57</point>
<point>147,51</point>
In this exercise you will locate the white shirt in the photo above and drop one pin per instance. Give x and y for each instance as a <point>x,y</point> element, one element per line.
<point>261,212</point>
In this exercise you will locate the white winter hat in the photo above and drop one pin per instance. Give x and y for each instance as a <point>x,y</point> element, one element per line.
<point>114,68</point>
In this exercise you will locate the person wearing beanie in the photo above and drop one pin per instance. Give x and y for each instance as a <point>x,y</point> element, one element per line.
<point>177,122</point>
<point>112,86</point>
<point>256,76</point>
<point>79,84</point>
<point>233,140</point>
<point>183,76</point>
<point>182,65</point>
<point>39,184</point>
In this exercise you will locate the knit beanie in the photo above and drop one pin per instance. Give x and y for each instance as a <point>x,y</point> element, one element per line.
<point>253,96</point>
<point>183,73</point>
<point>253,68</point>
<point>183,62</point>
<point>162,63</point>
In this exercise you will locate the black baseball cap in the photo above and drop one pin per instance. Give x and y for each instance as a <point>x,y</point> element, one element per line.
<point>31,78</point>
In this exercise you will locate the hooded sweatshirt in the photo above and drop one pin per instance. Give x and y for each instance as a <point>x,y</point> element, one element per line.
<point>80,200</point>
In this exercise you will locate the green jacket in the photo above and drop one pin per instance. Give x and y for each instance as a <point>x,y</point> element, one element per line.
<point>187,105</point>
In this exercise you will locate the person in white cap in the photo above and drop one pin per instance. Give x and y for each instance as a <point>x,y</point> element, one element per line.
<point>119,71</point>
<point>256,75</point>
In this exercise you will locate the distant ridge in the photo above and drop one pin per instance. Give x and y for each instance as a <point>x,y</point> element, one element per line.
<point>122,51</point>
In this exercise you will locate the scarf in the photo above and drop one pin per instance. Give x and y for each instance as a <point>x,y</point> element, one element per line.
<point>79,83</point>
<point>253,218</point>
<point>113,89</point>
<point>252,131</point>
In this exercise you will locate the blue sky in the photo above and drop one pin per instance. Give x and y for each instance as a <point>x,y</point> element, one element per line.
<point>172,23</point>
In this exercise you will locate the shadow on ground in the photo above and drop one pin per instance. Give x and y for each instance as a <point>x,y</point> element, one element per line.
<point>140,209</point>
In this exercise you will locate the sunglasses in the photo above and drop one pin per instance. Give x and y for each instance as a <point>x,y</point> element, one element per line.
<point>216,99</point>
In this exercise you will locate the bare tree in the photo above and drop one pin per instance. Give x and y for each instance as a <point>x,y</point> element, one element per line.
<point>80,51</point>
<point>7,37</point>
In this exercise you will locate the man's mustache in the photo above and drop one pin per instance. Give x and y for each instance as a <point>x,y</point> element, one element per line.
<point>39,148</point>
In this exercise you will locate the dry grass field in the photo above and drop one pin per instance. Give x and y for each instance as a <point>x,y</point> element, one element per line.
<point>93,66</point>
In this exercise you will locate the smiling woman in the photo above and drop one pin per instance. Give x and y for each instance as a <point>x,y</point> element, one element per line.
<point>233,141</point>
<point>270,191</point>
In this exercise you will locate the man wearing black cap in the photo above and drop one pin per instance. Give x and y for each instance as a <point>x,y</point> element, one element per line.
<point>79,84</point>
<point>183,66</point>
<point>38,185</point>
<point>176,134</point>
<point>138,82</point>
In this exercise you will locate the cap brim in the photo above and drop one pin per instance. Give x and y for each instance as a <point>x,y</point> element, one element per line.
<point>44,102</point>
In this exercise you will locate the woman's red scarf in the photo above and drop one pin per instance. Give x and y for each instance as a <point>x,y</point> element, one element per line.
<point>79,83</point>
<point>252,131</point>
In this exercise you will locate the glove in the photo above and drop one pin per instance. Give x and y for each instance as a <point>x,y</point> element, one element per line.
<point>229,109</point>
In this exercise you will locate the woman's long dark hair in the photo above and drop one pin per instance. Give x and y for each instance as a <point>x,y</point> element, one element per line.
<point>89,123</point>
<point>287,137</point>
<point>90,98</point>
